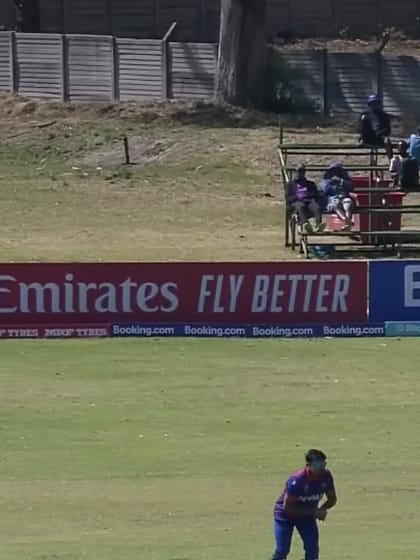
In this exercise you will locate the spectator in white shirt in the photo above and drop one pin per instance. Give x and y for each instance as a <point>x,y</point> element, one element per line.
<point>404,169</point>
<point>397,160</point>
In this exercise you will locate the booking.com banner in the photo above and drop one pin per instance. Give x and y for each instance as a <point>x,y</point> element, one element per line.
<point>248,331</point>
<point>192,330</point>
<point>286,293</point>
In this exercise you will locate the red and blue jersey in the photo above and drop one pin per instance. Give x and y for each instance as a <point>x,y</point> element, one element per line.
<point>307,490</point>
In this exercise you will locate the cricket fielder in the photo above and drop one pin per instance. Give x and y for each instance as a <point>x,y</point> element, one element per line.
<point>298,506</point>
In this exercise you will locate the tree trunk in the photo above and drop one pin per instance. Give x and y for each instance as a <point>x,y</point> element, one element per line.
<point>242,53</point>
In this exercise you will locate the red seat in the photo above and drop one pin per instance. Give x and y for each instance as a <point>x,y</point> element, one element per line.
<point>375,221</point>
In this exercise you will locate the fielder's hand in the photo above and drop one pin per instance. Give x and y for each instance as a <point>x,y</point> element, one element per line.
<point>321,514</point>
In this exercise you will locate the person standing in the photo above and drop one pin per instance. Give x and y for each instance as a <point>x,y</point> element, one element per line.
<point>298,506</point>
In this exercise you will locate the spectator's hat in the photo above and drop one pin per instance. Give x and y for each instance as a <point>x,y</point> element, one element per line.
<point>335,165</point>
<point>333,168</point>
<point>374,98</point>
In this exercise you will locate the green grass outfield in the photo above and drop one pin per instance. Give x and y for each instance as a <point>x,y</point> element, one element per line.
<point>177,449</point>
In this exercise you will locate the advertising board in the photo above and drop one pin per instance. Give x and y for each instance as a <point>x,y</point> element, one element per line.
<point>394,291</point>
<point>241,293</point>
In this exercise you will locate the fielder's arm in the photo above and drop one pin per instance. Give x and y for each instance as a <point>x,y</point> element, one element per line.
<point>291,507</point>
<point>331,500</point>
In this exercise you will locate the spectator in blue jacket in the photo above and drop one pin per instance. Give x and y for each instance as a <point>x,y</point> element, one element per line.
<point>337,186</point>
<point>414,145</point>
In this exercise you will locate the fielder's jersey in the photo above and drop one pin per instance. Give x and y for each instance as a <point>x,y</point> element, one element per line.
<point>307,490</point>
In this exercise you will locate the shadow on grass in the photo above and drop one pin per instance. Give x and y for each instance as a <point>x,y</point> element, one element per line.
<point>211,115</point>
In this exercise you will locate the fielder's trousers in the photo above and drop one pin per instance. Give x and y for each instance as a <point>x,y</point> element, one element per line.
<point>308,531</point>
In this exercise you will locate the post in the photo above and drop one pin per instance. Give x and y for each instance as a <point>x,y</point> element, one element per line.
<point>216,58</point>
<point>115,71</point>
<point>126,151</point>
<point>64,70</point>
<point>379,76</point>
<point>325,85</point>
<point>165,70</point>
<point>166,63</point>
<point>13,63</point>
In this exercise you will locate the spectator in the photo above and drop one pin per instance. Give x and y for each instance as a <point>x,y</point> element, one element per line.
<point>304,198</point>
<point>396,162</point>
<point>414,145</point>
<point>404,169</point>
<point>337,186</point>
<point>375,126</point>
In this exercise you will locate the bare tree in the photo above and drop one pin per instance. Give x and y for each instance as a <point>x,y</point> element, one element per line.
<point>242,52</point>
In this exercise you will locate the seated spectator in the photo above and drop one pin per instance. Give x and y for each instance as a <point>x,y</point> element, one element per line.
<point>375,126</point>
<point>337,187</point>
<point>414,145</point>
<point>304,198</point>
<point>404,169</point>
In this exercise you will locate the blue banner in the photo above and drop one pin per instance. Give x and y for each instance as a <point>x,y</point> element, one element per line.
<point>394,291</point>
<point>141,330</point>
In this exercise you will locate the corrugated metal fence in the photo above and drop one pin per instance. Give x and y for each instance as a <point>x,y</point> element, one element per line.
<point>82,68</point>
<point>38,72</point>
<point>101,68</point>
<point>140,66</point>
<point>6,75</point>
<point>192,75</point>
<point>340,82</point>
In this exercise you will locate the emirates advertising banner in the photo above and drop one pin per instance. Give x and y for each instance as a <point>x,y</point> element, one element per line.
<point>287,299</point>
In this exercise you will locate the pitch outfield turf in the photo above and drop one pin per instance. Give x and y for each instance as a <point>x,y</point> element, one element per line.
<point>176,449</point>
